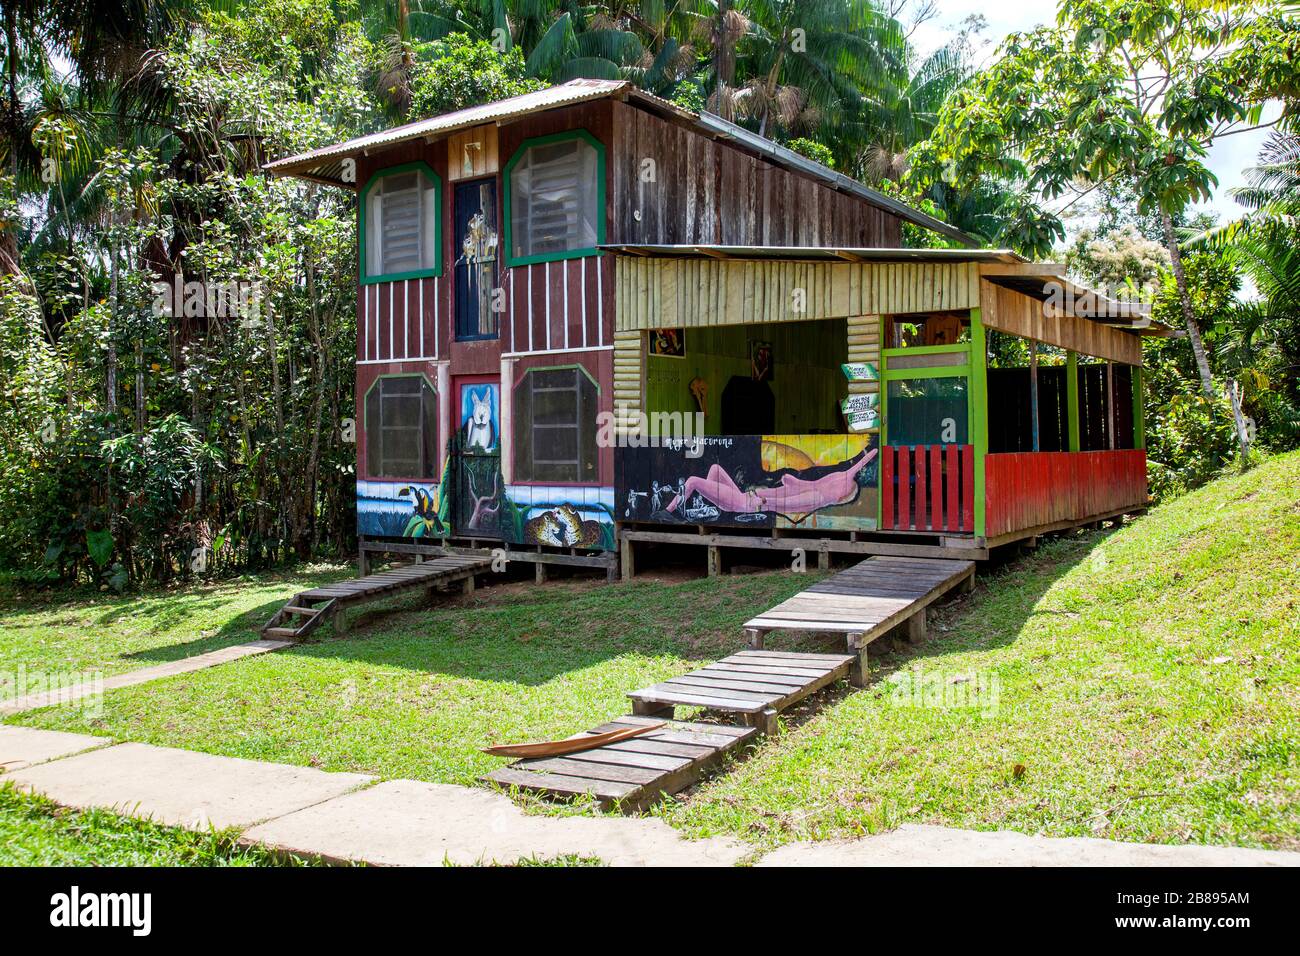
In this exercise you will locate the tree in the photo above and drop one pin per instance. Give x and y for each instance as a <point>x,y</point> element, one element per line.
<point>1124,90</point>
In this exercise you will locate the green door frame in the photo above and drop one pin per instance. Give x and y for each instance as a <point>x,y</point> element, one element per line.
<point>974,371</point>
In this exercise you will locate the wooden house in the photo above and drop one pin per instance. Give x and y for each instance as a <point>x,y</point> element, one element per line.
<point>588,318</point>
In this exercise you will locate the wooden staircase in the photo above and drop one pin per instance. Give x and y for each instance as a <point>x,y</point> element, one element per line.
<point>298,618</point>
<point>309,608</point>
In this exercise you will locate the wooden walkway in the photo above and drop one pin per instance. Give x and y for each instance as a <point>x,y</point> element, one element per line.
<point>635,772</point>
<point>309,609</point>
<point>755,685</point>
<point>866,601</point>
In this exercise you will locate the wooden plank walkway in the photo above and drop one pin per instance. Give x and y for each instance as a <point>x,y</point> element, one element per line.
<point>756,685</point>
<point>308,609</point>
<point>866,601</point>
<point>633,773</point>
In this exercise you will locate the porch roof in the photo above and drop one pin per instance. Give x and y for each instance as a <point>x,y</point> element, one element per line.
<point>1045,282</point>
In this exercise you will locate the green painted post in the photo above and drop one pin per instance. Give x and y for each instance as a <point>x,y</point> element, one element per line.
<point>1072,397</point>
<point>1139,410</point>
<point>979,422</point>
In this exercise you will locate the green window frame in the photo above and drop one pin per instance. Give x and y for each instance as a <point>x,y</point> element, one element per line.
<point>414,414</point>
<point>507,177</point>
<point>363,223</point>
<point>539,435</point>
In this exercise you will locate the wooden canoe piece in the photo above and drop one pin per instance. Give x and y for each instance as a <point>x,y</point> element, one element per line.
<point>571,745</point>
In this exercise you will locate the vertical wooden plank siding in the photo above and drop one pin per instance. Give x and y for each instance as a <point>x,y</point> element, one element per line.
<point>1032,489</point>
<point>979,425</point>
<point>927,488</point>
<point>937,518</point>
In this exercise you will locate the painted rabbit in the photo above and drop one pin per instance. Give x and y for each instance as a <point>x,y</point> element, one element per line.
<point>479,432</point>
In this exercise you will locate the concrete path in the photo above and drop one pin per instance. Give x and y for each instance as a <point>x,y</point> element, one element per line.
<point>23,746</point>
<point>185,665</point>
<point>915,845</point>
<point>348,817</point>
<point>408,823</point>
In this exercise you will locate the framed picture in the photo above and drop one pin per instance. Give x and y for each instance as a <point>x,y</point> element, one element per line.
<point>667,343</point>
<point>760,360</point>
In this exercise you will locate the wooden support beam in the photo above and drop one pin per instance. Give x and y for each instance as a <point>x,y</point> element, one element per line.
<point>859,671</point>
<point>626,558</point>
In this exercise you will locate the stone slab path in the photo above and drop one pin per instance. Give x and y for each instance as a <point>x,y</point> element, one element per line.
<point>23,746</point>
<point>917,845</point>
<point>349,817</point>
<point>142,676</point>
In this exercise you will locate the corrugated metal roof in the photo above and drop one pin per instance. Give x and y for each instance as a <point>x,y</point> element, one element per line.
<point>324,165</point>
<point>567,94</point>
<point>835,253</point>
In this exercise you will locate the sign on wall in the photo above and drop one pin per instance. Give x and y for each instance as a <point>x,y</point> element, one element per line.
<point>861,371</point>
<point>862,412</point>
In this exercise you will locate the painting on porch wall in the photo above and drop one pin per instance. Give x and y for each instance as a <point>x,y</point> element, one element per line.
<point>761,481</point>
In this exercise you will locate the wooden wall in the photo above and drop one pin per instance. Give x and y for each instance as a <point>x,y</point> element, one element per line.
<point>708,191</point>
<point>1008,311</point>
<point>692,293</point>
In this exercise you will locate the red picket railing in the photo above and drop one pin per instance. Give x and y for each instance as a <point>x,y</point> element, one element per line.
<point>1034,489</point>
<point>927,488</point>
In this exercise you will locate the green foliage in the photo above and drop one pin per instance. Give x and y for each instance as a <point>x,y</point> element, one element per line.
<point>457,72</point>
<point>814,150</point>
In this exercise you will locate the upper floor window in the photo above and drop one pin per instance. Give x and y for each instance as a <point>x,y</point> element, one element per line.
<point>401,235</point>
<point>555,198</point>
<point>401,428</point>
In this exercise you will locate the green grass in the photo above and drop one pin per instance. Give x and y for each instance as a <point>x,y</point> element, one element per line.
<point>1136,684</point>
<point>84,629</point>
<point>36,832</point>
<point>415,691</point>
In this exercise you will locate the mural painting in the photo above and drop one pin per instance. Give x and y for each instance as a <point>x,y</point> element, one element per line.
<point>400,509</point>
<point>792,481</point>
<point>480,405</point>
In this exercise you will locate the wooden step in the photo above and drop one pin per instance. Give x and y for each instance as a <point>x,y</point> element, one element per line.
<point>755,685</point>
<point>280,632</point>
<point>303,611</point>
<point>633,773</point>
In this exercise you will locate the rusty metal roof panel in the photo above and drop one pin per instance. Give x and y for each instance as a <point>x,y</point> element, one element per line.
<point>834,253</point>
<point>567,94</point>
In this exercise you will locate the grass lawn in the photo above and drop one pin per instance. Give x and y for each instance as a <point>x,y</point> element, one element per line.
<point>84,629</point>
<point>36,832</point>
<point>1135,684</point>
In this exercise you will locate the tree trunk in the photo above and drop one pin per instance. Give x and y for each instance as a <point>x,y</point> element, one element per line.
<point>1194,336</point>
<point>1185,300</point>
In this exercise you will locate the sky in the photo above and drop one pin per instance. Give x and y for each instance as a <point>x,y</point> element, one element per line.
<point>1228,158</point>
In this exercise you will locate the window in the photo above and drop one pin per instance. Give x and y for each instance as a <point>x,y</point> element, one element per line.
<point>474,220</point>
<point>555,198</point>
<point>401,428</point>
<point>401,238</point>
<point>555,426</point>
<point>927,411</point>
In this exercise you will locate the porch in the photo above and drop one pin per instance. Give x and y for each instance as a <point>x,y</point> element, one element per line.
<point>916,402</point>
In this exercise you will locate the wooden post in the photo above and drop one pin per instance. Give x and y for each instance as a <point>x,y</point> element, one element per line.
<point>468,586</point>
<point>859,673</point>
<point>645,708</point>
<point>539,572</point>
<point>1033,392</point>
<point>754,637</point>
<point>914,629</point>
<point>715,561</point>
<point>823,558</point>
<point>1072,398</point>
<point>1110,405</point>
<point>363,562</point>
<point>628,569</point>
<point>764,720</point>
